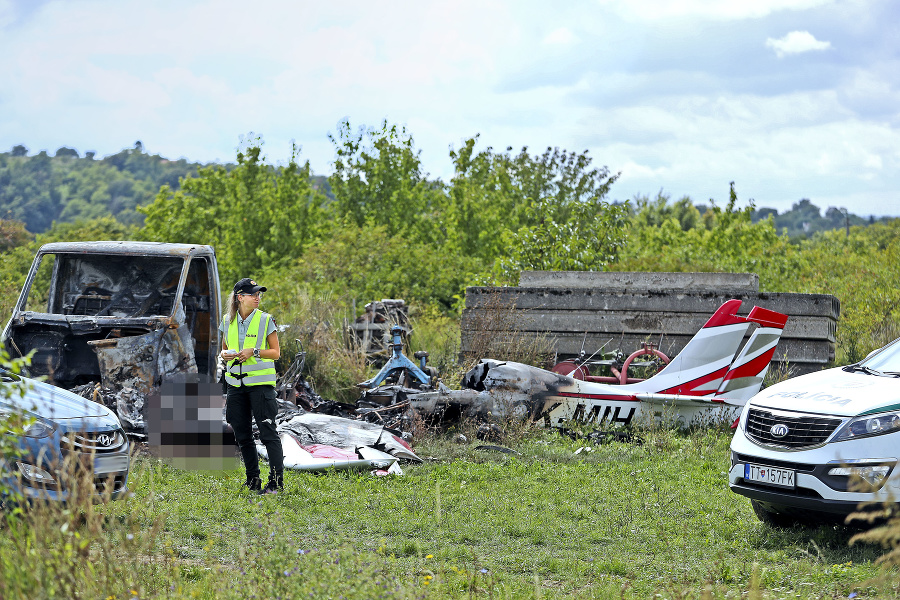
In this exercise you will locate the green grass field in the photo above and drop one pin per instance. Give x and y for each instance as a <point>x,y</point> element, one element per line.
<point>636,521</point>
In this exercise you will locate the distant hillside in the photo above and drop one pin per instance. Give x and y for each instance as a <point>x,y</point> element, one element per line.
<point>805,218</point>
<point>41,189</point>
<point>66,187</point>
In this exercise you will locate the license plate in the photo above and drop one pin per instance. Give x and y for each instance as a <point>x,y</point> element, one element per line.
<point>111,464</point>
<point>770,476</point>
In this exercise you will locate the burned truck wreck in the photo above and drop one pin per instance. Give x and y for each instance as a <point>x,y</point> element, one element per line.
<point>113,320</point>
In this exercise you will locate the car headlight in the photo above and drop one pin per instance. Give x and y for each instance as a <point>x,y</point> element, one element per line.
<point>39,429</point>
<point>11,421</point>
<point>873,475</point>
<point>869,425</point>
<point>35,473</point>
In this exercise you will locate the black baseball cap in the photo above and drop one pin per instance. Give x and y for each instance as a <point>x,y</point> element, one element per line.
<point>247,286</point>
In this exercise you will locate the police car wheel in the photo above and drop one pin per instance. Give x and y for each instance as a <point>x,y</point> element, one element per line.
<point>772,518</point>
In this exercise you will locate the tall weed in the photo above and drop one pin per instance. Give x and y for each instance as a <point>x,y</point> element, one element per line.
<point>494,331</point>
<point>315,323</point>
<point>82,550</point>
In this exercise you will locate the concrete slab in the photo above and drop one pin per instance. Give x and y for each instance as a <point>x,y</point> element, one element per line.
<point>630,322</point>
<point>690,301</point>
<point>631,281</point>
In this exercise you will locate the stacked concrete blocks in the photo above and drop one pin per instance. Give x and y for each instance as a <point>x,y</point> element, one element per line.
<point>622,310</point>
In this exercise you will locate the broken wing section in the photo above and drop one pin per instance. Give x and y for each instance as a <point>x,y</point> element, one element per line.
<point>328,430</point>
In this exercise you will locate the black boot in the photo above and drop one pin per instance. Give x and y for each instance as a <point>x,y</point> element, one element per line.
<point>275,484</point>
<point>253,484</point>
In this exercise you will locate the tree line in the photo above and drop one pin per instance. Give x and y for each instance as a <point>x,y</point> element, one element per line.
<point>380,227</point>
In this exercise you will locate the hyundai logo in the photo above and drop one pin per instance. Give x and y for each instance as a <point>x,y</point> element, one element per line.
<point>104,440</point>
<point>779,430</point>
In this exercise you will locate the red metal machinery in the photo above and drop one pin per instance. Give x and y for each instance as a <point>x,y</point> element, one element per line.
<point>578,368</point>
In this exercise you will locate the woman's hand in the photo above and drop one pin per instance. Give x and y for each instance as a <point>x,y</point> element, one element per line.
<point>244,354</point>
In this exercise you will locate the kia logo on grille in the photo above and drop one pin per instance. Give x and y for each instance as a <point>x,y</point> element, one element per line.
<point>104,440</point>
<point>779,430</point>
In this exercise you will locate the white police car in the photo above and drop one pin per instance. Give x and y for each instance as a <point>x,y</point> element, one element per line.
<point>812,448</point>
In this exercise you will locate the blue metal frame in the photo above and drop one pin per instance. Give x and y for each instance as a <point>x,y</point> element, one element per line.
<point>397,361</point>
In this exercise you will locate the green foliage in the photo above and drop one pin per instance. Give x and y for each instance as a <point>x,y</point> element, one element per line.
<point>255,215</point>
<point>521,211</point>
<point>367,263</point>
<point>378,181</point>
<point>724,240</point>
<point>39,190</point>
<point>617,522</point>
<point>860,269</point>
<point>13,234</point>
<point>653,213</point>
<point>589,240</point>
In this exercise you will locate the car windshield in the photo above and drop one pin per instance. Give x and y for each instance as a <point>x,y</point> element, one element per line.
<point>104,285</point>
<point>886,360</point>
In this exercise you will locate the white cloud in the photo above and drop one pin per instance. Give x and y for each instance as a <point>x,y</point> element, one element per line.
<point>562,36</point>
<point>796,42</point>
<point>872,91</point>
<point>7,14</point>
<point>777,149</point>
<point>190,78</point>
<point>711,9</point>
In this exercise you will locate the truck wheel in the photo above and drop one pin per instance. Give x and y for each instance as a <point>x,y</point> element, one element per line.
<point>772,518</point>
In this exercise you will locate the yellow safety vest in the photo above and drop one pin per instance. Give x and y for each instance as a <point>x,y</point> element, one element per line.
<point>253,371</point>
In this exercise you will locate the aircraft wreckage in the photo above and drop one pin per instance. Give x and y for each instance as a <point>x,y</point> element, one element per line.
<point>114,320</point>
<point>707,382</point>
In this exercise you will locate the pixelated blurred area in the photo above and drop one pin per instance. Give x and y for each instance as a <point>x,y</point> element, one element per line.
<point>185,426</point>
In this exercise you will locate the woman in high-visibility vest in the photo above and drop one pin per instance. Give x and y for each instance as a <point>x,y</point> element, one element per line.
<point>250,350</point>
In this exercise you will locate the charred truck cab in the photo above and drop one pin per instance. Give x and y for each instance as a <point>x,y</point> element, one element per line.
<point>125,315</point>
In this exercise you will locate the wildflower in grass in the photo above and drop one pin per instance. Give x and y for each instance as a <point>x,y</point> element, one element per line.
<point>483,571</point>
<point>429,556</point>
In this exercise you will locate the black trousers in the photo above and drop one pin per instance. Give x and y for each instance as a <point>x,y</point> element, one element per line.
<point>258,402</point>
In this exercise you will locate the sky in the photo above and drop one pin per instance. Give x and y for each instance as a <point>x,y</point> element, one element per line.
<point>789,99</point>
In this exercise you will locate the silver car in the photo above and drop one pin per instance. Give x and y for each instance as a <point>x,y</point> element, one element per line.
<point>63,441</point>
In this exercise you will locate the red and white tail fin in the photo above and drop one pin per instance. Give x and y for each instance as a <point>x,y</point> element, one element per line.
<point>701,367</point>
<point>747,372</point>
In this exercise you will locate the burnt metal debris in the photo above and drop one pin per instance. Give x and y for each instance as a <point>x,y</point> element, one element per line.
<point>113,320</point>
<point>402,391</point>
<point>372,331</point>
<point>303,432</point>
<point>384,399</point>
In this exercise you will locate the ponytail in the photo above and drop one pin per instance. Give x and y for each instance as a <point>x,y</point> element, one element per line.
<point>231,307</point>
